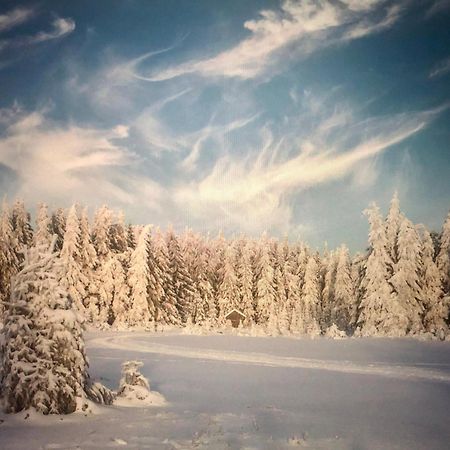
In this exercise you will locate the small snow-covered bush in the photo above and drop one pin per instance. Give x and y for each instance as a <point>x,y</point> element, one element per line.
<point>134,389</point>
<point>133,384</point>
<point>334,332</point>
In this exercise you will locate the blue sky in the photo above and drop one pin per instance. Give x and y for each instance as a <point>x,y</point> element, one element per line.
<point>289,117</point>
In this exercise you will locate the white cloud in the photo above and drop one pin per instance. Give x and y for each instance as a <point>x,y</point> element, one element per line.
<point>14,18</point>
<point>60,163</point>
<point>60,27</point>
<point>440,69</point>
<point>308,24</point>
<point>255,192</point>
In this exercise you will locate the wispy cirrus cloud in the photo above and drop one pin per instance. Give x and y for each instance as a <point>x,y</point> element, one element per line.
<point>255,190</point>
<point>297,28</point>
<point>440,69</point>
<point>70,162</point>
<point>60,27</point>
<point>15,17</point>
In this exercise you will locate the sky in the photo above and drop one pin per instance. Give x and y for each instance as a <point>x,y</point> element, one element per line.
<point>289,117</point>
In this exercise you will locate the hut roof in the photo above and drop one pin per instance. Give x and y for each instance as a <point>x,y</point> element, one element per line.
<point>237,311</point>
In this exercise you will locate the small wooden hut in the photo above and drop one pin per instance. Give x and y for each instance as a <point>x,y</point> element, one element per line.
<point>236,317</point>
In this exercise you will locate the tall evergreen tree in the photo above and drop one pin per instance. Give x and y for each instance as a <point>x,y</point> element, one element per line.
<point>42,352</point>
<point>311,296</point>
<point>181,281</point>
<point>406,277</point>
<point>141,312</point>
<point>58,227</point>
<point>379,312</point>
<point>43,234</point>
<point>443,258</point>
<point>436,304</point>
<point>9,261</point>
<point>344,292</point>
<point>265,285</point>
<point>74,280</point>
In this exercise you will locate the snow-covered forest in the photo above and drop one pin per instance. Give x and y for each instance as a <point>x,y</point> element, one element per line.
<point>131,276</point>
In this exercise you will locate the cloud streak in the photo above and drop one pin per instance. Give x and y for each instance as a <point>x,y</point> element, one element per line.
<point>298,28</point>
<point>14,18</point>
<point>440,69</point>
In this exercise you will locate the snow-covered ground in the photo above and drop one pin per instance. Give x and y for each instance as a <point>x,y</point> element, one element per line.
<point>236,392</point>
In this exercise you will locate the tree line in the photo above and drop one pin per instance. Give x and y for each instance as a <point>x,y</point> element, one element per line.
<point>129,276</point>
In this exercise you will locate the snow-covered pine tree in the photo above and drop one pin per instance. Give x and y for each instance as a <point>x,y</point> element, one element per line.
<point>42,351</point>
<point>118,236</point>
<point>228,294</point>
<point>9,262</point>
<point>436,304</point>
<point>406,277</point>
<point>88,262</point>
<point>330,262</point>
<point>73,280</point>
<point>358,267</point>
<point>265,284</point>
<point>101,232</point>
<point>245,277</point>
<point>443,257</point>
<point>344,291</point>
<point>131,237</point>
<point>168,313</point>
<point>141,312</point>
<point>283,272</point>
<point>311,296</point>
<point>379,311</point>
<point>100,305</point>
<point>181,281</point>
<point>43,233</point>
<point>114,290</point>
<point>21,224</point>
<point>393,221</point>
<point>58,227</point>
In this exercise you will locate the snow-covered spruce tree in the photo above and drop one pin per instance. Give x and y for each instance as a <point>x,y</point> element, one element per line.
<point>74,279</point>
<point>101,231</point>
<point>344,292</point>
<point>9,262</point>
<point>43,362</point>
<point>443,257</point>
<point>113,291</point>
<point>357,271</point>
<point>88,262</point>
<point>393,221</point>
<point>58,227</point>
<point>328,295</point>
<point>311,296</point>
<point>43,234</point>
<point>141,312</point>
<point>435,303</point>
<point>265,284</point>
<point>168,313</point>
<point>181,281</point>
<point>21,224</point>
<point>100,305</point>
<point>406,277</point>
<point>118,238</point>
<point>228,293</point>
<point>300,256</point>
<point>379,311</point>
<point>245,277</point>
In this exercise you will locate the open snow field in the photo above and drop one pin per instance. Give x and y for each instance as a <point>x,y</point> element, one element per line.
<point>236,392</point>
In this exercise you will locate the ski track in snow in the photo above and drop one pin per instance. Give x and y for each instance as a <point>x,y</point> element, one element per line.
<point>131,342</point>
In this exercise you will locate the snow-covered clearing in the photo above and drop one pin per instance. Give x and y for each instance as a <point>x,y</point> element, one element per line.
<point>236,392</point>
